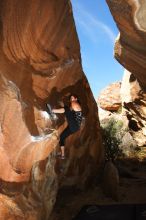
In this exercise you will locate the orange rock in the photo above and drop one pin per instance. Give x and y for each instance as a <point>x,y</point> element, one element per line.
<point>109,98</point>
<point>130,51</point>
<point>40,63</point>
<point>130,48</point>
<point>134,103</point>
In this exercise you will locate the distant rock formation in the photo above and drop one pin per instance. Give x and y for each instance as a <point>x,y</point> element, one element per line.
<point>109,98</point>
<point>40,63</point>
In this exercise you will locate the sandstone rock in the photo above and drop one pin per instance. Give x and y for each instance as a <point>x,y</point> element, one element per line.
<point>134,104</point>
<point>111,180</point>
<point>103,114</point>
<point>128,145</point>
<point>130,51</point>
<point>130,48</point>
<point>109,99</point>
<point>40,63</point>
<point>9,209</point>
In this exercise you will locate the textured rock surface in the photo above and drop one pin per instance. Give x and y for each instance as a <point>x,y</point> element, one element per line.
<point>130,48</point>
<point>111,180</point>
<point>134,103</point>
<point>109,98</point>
<point>40,63</point>
<point>130,51</point>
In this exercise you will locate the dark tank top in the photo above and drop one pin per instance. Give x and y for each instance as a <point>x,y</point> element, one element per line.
<point>78,117</point>
<point>74,118</point>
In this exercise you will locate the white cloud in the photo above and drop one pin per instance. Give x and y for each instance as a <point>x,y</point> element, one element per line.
<point>90,24</point>
<point>87,30</point>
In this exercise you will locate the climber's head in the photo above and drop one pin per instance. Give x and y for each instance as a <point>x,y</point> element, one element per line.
<point>73,98</point>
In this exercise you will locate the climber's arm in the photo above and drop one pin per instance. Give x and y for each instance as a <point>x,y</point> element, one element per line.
<point>59,110</point>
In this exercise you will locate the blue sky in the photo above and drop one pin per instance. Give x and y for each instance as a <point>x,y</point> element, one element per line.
<point>97,32</point>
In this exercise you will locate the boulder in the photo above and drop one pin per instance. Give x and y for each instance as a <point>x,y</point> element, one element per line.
<point>109,98</point>
<point>111,181</point>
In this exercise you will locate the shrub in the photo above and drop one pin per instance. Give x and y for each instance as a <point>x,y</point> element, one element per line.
<point>112,138</point>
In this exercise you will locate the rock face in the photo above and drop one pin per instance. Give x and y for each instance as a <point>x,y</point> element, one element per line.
<point>110,99</point>
<point>130,48</point>
<point>134,107</point>
<point>111,180</point>
<point>40,63</point>
<point>130,51</point>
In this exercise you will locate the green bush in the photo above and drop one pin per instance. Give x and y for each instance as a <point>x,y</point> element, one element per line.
<point>111,137</point>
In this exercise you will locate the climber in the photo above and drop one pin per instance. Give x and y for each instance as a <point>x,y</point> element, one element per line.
<point>73,115</point>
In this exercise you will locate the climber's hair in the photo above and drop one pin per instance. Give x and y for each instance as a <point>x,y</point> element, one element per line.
<point>74,95</point>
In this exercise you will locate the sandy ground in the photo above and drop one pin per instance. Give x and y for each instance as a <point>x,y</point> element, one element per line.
<point>131,191</point>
